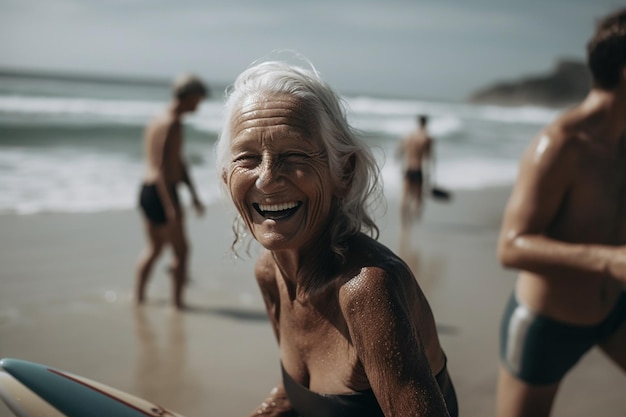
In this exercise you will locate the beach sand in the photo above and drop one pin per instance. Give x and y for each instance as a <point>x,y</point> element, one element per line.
<point>65,301</point>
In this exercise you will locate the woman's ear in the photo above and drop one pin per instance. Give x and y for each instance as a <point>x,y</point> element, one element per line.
<point>224,177</point>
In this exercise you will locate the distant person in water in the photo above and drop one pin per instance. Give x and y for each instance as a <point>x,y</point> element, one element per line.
<point>355,332</point>
<point>564,228</point>
<point>416,151</point>
<point>158,199</point>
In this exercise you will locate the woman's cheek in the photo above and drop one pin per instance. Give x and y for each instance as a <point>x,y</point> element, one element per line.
<point>239,182</point>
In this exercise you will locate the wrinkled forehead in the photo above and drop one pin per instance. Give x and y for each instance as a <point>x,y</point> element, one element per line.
<point>266,110</point>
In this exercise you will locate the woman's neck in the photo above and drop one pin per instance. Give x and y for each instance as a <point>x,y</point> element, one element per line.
<point>308,269</point>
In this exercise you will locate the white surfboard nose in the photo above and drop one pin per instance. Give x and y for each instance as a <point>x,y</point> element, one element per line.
<point>34,390</point>
<point>22,401</point>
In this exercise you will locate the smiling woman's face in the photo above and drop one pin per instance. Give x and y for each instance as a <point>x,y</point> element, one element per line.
<point>278,175</point>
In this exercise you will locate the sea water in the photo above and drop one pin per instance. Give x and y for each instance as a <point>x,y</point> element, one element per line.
<point>75,145</point>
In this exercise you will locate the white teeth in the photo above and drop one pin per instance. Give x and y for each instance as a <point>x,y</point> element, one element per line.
<point>277,207</point>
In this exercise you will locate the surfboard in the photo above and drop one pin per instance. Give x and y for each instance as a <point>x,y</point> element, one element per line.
<point>33,390</point>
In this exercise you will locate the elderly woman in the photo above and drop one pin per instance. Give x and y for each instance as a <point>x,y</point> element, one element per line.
<point>356,334</point>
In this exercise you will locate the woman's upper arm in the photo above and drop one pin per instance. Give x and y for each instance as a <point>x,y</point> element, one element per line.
<point>266,280</point>
<point>382,328</point>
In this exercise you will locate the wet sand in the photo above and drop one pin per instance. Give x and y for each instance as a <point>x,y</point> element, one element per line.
<point>65,301</point>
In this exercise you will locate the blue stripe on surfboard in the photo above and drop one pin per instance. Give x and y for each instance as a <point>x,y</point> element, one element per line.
<point>69,396</point>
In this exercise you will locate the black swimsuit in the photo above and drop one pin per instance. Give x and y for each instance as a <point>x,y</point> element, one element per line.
<point>151,204</point>
<point>414,176</point>
<point>358,404</point>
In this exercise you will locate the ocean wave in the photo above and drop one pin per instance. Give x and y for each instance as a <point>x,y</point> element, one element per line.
<point>466,173</point>
<point>73,154</point>
<point>410,108</point>
<point>79,180</point>
<point>371,115</point>
<point>39,109</point>
<point>400,126</point>
<point>79,106</point>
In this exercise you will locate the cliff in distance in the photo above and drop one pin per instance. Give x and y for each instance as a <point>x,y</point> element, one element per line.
<point>566,84</point>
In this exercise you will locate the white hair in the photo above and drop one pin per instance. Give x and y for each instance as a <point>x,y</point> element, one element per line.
<point>349,159</point>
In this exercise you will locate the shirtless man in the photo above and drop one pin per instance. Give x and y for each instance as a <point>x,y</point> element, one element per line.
<point>416,149</point>
<point>565,229</point>
<point>158,199</point>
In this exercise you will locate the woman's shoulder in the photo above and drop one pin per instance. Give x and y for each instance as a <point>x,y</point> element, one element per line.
<point>373,270</point>
<point>367,254</point>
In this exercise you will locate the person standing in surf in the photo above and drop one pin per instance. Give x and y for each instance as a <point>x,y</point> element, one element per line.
<point>416,151</point>
<point>158,198</point>
<point>564,228</point>
<point>356,334</point>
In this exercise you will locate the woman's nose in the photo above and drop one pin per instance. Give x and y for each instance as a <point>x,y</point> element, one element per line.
<point>269,174</point>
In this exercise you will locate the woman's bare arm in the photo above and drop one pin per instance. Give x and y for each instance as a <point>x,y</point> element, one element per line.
<point>382,328</point>
<point>276,404</point>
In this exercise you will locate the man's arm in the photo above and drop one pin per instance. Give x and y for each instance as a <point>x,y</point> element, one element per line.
<point>429,163</point>
<point>546,173</point>
<point>379,317</point>
<point>161,146</point>
<point>195,199</point>
<point>192,189</point>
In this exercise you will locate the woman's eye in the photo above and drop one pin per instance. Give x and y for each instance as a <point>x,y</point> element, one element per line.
<point>296,156</point>
<point>246,159</point>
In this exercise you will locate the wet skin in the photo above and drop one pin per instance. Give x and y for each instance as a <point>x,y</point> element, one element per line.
<point>279,177</point>
<point>564,228</point>
<point>566,216</point>
<point>366,324</point>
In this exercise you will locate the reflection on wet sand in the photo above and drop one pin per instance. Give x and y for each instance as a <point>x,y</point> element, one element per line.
<point>427,270</point>
<point>161,373</point>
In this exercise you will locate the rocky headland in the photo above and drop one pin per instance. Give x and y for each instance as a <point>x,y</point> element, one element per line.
<point>568,82</point>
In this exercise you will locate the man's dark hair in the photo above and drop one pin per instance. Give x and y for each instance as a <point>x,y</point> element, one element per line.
<point>422,119</point>
<point>606,50</point>
<point>188,84</point>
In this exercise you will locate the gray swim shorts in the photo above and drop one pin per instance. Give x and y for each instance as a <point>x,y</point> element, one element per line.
<point>540,350</point>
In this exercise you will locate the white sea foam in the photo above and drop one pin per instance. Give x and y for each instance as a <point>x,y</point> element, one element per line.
<point>77,181</point>
<point>411,108</point>
<point>400,125</point>
<point>476,172</point>
<point>58,169</point>
<point>208,118</point>
<point>466,173</point>
<point>78,107</point>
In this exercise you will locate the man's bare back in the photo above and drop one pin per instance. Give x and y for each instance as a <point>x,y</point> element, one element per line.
<point>416,147</point>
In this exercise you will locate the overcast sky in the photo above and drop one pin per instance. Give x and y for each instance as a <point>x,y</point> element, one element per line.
<point>426,49</point>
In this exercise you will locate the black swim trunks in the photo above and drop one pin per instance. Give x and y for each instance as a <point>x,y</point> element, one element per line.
<point>540,350</point>
<point>414,176</point>
<point>151,205</point>
<point>358,404</point>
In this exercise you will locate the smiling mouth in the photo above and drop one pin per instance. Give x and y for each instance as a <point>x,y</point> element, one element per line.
<point>277,211</point>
